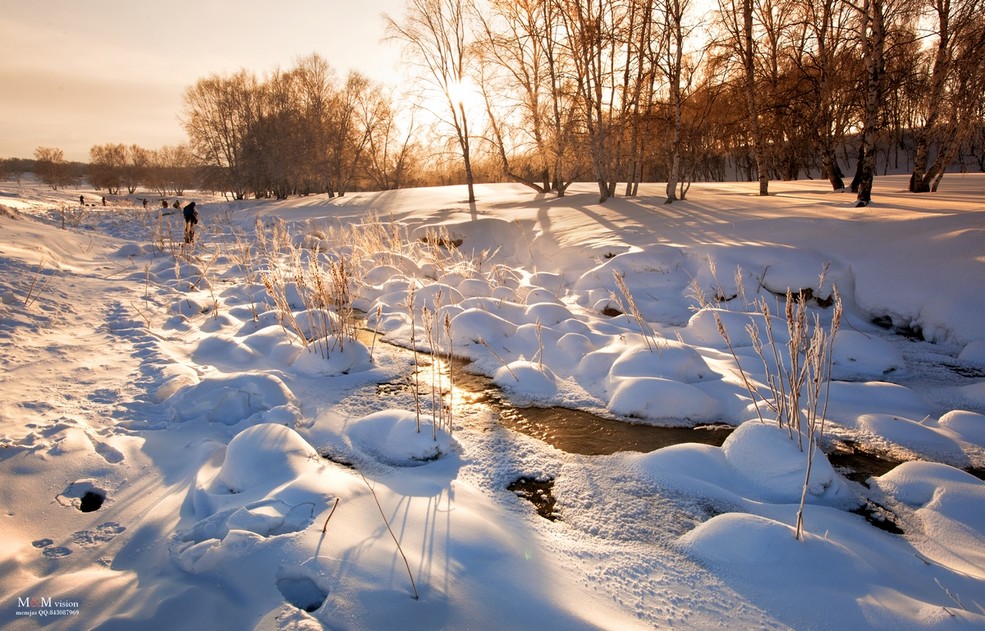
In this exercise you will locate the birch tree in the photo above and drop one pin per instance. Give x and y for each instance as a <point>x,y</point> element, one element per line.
<point>952,31</point>
<point>872,35</point>
<point>436,34</point>
<point>737,17</point>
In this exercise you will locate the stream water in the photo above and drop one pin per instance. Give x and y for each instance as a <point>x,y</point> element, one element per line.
<point>581,432</point>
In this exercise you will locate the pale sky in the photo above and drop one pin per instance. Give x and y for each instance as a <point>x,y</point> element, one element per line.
<point>75,74</point>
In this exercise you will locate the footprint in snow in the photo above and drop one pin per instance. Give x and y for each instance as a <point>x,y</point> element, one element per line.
<point>51,552</point>
<point>56,552</point>
<point>110,454</point>
<point>100,534</point>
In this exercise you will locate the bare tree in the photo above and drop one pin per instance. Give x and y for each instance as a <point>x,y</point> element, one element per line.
<point>822,65</point>
<point>637,93</point>
<point>672,58</point>
<point>390,141</point>
<point>315,85</point>
<point>220,114</point>
<point>135,164</point>
<point>436,34</point>
<point>171,169</point>
<point>589,27</point>
<point>737,18</point>
<point>347,139</point>
<point>50,166</point>
<point>953,27</point>
<point>872,33</point>
<point>106,164</point>
<point>513,73</point>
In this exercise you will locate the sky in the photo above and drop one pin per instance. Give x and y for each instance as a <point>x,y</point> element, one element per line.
<point>77,74</point>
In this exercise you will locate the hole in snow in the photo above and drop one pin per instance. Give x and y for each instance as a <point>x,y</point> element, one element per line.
<point>879,516</point>
<point>539,493</point>
<point>302,592</point>
<point>91,501</point>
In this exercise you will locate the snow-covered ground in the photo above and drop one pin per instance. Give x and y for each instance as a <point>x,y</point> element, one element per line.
<point>195,438</point>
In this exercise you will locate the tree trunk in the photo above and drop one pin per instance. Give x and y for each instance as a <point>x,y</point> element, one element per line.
<point>749,63</point>
<point>829,165</point>
<point>921,155</point>
<point>873,42</point>
<point>676,40</point>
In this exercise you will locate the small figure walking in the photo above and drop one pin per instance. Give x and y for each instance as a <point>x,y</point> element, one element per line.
<point>191,218</point>
<point>82,200</point>
<point>104,200</point>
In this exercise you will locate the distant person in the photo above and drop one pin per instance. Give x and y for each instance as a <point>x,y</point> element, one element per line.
<point>191,218</point>
<point>104,200</point>
<point>177,204</point>
<point>145,202</point>
<point>164,203</point>
<point>82,200</point>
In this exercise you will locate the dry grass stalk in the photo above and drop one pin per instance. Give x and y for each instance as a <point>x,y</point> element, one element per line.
<point>33,290</point>
<point>486,344</point>
<point>798,373</point>
<point>411,310</point>
<point>649,335</point>
<point>330,513</point>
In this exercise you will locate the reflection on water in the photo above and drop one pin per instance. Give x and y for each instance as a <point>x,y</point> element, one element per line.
<point>570,430</point>
<point>578,432</point>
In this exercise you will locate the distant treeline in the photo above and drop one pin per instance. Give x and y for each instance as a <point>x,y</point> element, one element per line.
<point>114,168</point>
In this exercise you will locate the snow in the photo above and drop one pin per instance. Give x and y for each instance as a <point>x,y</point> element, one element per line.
<point>183,449</point>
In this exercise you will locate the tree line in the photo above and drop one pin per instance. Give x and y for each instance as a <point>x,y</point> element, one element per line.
<point>298,131</point>
<point>169,170</point>
<point>547,92</point>
<point>624,91</point>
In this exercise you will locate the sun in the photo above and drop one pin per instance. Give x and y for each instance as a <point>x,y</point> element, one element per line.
<point>465,93</point>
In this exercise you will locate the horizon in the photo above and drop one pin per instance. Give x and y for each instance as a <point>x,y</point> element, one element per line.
<point>73,87</point>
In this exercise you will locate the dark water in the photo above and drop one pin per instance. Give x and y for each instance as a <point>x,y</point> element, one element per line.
<point>579,432</point>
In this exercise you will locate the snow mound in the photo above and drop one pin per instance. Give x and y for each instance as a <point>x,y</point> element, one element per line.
<point>774,269</point>
<point>527,380</point>
<point>950,508</point>
<point>929,442</point>
<point>668,359</point>
<point>271,484</point>
<point>473,325</point>
<point>766,457</point>
<point>547,313</point>
<point>738,540</point>
<point>945,489</point>
<point>969,426</point>
<point>480,238</point>
<point>849,401</point>
<point>393,437</point>
<point>973,352</point>
<point>334,357</point>
<point>702,328</point>
<point>232,398</point>
<point>266,456</point>
<point>655,398</point>
<point>833,568</point>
